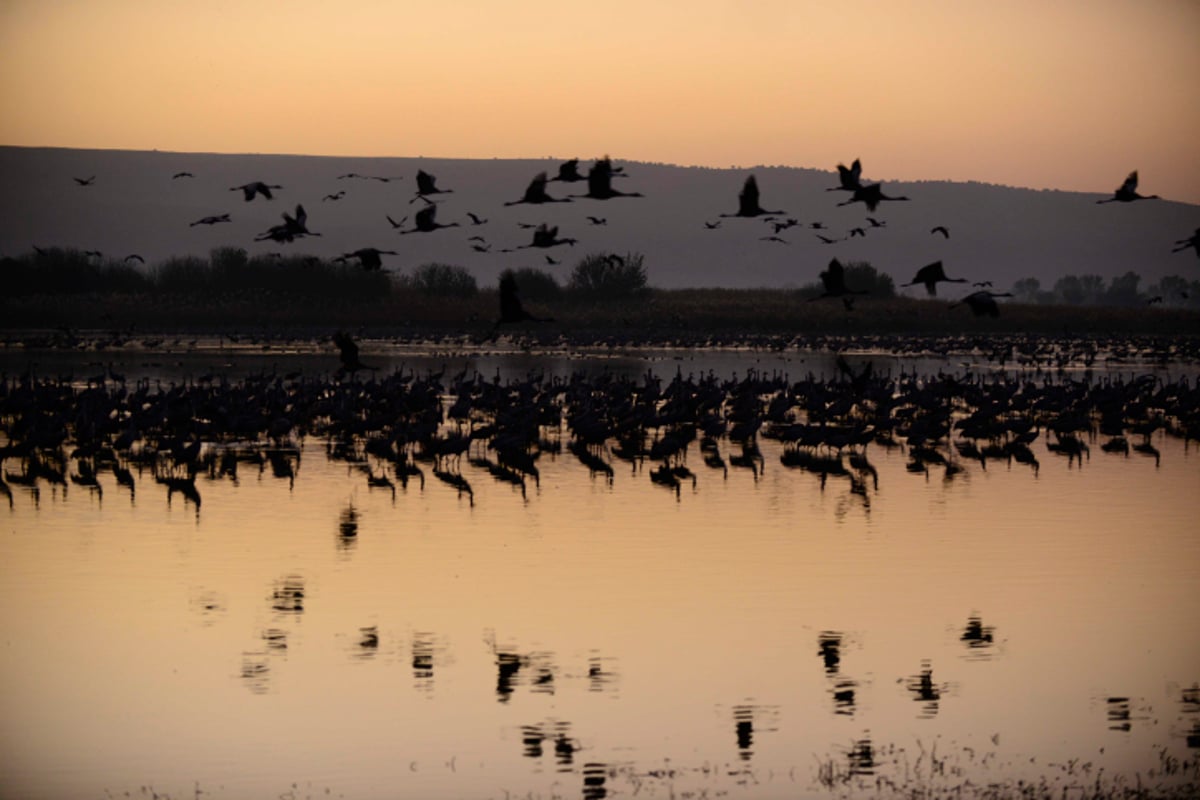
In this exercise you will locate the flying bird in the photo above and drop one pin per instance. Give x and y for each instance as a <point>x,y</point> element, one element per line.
<point>209,220</point>
<point>545,236</point>
<point>476,219</point>
<point>982,303</point>
<point>338,195</point>
<point>599,182</point>
<point>135,257</point>
<point>848,177</point>
<point>1127,192</point>
<point>598,220</point>
<point>1192,241</point>
<point>940,229</point>
<point>511,310</point>
<point>348,354</point>
<point>396,224</point>
<point>249,190</point>
<point>425,221</point>
<point>712,226</point>
<point>748,205</point>
<point>370,258</point>
<point>568,172</point>
<point>182,175</point>
<point>85,181</point>
<point>535,193</point>
<point>292,228</point>
<point>427,185</point>
<point>834,279</point>
<point>871,195</point>
<point>931,275</point>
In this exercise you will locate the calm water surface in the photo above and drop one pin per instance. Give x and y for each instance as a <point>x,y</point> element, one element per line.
<point>756,636</point>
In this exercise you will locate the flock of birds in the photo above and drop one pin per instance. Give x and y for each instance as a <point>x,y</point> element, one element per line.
<point>57,434</point>
<point>599,181</point>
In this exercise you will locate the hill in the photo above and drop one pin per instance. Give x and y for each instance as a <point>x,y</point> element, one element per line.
<point>997,233</point>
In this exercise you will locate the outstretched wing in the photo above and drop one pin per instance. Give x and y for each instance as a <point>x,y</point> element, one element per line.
<point>748,198</point>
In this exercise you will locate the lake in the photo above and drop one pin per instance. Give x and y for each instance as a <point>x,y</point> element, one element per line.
<point>873,624</point>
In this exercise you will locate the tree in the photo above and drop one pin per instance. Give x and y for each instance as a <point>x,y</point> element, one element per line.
<point>1069,290</point>
<point>1027,289</point>
<point>1123,291</point>
<point>609,275</point>
<point>443,280</point>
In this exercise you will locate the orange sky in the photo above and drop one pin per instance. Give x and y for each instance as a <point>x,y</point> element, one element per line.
<point>1070,95</point>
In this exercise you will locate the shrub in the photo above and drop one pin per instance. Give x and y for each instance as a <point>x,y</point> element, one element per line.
<point>443,280</point>
<point>609,275</point>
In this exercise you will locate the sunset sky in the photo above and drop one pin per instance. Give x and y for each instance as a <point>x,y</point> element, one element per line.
<point>1068,95</point>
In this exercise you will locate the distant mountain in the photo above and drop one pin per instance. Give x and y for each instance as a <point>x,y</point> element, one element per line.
<point>996,233</point>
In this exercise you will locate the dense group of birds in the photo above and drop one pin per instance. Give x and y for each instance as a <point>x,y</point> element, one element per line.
<point>599,181</point>
<point>394,427</point>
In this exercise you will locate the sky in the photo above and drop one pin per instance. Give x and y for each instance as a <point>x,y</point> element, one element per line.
<point>1068,95</point>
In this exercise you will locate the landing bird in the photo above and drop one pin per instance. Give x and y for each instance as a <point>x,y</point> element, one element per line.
<point>535,193</point>
<point>931,275</point>
<point>834,278</point>
<point>511,310</point>
<point>209,220</point>
<point>748,201</point>
<point>292,228</point>
<point>568,172</point>
<point>1127,192</point>
<point>427,185</point>
<point>871,195</point>
<point>940,229</point>
<point>848,178</point>
<point>249,190</point>
<point>1192,241</point>
<point>182,175</point>
<point>348,353</point>
<point>85,181</point>
<point>425,221</point>
<point>368,257</point>
<point>599,182</point>
<point>983,302</point>
<point>545,236</point>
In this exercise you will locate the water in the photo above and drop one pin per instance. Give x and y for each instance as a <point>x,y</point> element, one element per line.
<point>754,636</point>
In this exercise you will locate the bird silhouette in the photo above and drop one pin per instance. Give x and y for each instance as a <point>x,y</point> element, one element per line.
<point>292,228</point>
<point>940,229</point>
<point>545,236</point>
<point>209,220</point>
<point>748,205</point>
<point>476,219</point>
<point>338,195</point>
<point>871,195</point>
<point>1127,192</point>
<point>931,275</point>
<point>427,185</point>
<point>535,193</point>
<point>249,190</point>
<point>135,257</point>
<point>826,239</point>
<point>599,182</point>
<point>396,224</point>
<point>511,309</point>
<point>598,220</point>
<point>712,226</point>
<point>182,175</point>
<point>425,221</point>
<point>877,223</point>
<point>85,181</point>
<point>1192,241</point>
<point>982,303</point>
<point>568,172</point>
<point>348,353</point>
<point>368,257</point>
<point>848,177</point>
<point>834,279</point>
